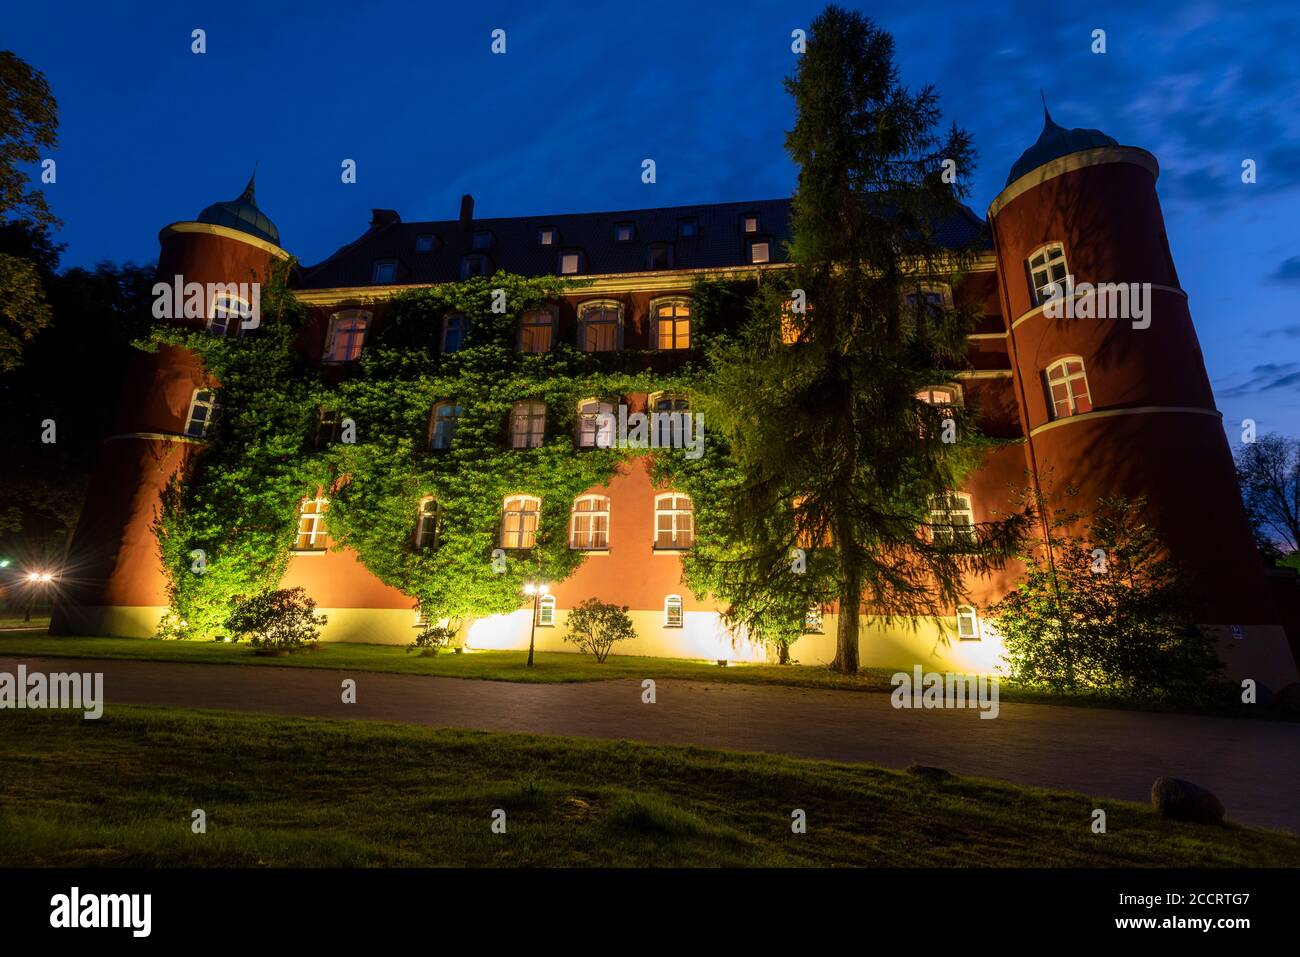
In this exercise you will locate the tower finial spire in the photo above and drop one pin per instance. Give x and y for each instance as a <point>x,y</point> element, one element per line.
<point>1047,117</point>
<point>249,190</point>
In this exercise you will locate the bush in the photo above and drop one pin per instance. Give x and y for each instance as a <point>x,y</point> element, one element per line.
<point>433,639</point>
<point>595,625</point>
<point>281,620</point>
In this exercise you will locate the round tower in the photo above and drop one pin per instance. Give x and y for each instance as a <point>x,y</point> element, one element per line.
<point>1114,395</point>
<point>113,579</point>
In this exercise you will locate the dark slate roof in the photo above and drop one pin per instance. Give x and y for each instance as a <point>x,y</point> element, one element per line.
<point>1055,142</point>
<point>515,248</point>
<point>242,213</point>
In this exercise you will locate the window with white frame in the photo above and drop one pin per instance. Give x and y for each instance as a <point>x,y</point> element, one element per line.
<point>311,525</point>
<point>599,326</point>
<point>1067,388</point>
<point>673,611</point>
<point>527,425</point>
<point>968,623</point>
<point>1048,272</point>
<point>760,251</point>
<point>347,333</point>
<point>812,620</point>
<point>952,520</point>
<point>672,318</point>
<point>546,236</point>
<point>442,426</point>
<point>546,611</point>
<point>205,408</point>
<point>428,523</point>
<point>226,310</point>
<point>537,330</point>
<point>454,330</point>
<point>593,431</point>
<point>674,521</point>
<point>589,523</point>
<point>749,222</point>
<point>570,262</point>
<point>519,516</point>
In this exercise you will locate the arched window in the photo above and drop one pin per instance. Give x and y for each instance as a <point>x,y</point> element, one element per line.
<point>669,402</point>
<point>589,522</point>
<point>428,523</point>
<point>672,319</point>
<point>311,525</point>
<point>205,409</point>
<point>527,425</point>
<point>600,326</point>
<point>546,611</point>
<point>1067,388</point>
<point>673,611</point>
<point>1048,272</point>
<point>952,520</point>
<point>537,330</point>
<point>519,517</point>
<point>595,432</point>
<point>968,623</point>
<point>347,333</point>
<point>442,425</point>
<point>674,521</point>
<point>454,330</point>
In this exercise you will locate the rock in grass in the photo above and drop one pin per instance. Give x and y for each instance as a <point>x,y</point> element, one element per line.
<point>929,773</point>
<point>1184,801</point>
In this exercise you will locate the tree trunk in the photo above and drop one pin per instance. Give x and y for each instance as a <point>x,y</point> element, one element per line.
<point>846,631</point>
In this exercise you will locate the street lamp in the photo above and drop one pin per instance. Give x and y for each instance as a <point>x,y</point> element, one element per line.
<point>33,580</point>
<point>537,590</point>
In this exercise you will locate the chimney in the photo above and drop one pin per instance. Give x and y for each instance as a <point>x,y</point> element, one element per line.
<point>466,209</point>
<point>383,217</point>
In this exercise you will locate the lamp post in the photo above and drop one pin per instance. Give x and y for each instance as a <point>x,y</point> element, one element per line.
<point>537,590</point>
<point>35,579</point>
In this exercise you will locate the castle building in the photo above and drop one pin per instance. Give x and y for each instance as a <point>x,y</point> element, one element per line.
<point>1114,406</point>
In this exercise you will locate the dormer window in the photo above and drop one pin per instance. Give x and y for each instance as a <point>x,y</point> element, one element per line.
<point>473,266</point>
<point>483,239</point>
<point>760,251</point>
<point>659,256</point>
<point>688,228</point>
<point>385,272</point>
<point>546,236</point>
<point>749,223</point>
<point>570,262</point>
<point>624,233</point>
<point>424,243</point>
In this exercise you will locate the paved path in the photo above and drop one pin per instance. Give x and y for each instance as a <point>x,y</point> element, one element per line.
<point>1253,766</point>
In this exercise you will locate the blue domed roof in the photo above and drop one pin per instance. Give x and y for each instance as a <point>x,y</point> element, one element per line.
<point>242,214</point>
<point>1055,142</point>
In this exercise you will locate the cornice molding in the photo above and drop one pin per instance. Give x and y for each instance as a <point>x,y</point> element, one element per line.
<point>225,232</point>
<point>1136,410</point>
<point>1068,164</point>
<point>1038,309</point>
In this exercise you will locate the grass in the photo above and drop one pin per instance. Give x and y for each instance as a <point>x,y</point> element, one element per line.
<point>550,667</point>
<point>284,792</point>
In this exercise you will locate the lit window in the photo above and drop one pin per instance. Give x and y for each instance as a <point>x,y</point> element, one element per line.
<point>546,612</point>
<point>589,522</point>
<point>939,395</point>
<point>759,252</point>
<point>519,521</point>
<point>536,330</point>
<point>424,243</point>
<point>673,611</point>
<point>1067,388</point>
<point>327,426</point>
<point>311,525</point>
<point>570,263</point>
<point>749,222</point>
<point>599,325</point>
<point>669,420</point>
<point>968,623</point>
<point>659,256</point>
<point>672,324</point>
<point>442,427</point>
<point>428,524</point>
<point>546,236</point>
<point>347,332</point>
<point>385,271</point>
<point>674,521</point>
<point>483,239</point>
<point>594,432</point>
<point>225,310</point>
<point>623,232</point>
<point>1047,270</point>
<point>688,228</point>
<point>527,425</point>
<point>812,620</point>
<point>454,330</point>
<point>205,408</point>
<point>471,266</point>
<point>952,521</point>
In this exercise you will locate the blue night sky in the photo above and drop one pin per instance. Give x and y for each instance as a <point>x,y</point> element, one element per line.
<point>151,133</point>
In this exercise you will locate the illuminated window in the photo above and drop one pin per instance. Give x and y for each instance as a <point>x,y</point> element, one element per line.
<point>454,330</point>
<point>672,319</point>
<point>385,272</point>
<point>624,232</point>
<point>968,623</point>
<point>428,523</point>
<point>546,612</point>
<point>527,425</point>
<point>327,426</point>
<point>952,520</point>
<point>659,256</point>
<point>593,431</point>
<point>749,222</point>
<point>1067,388</point>
<point>347,333</point>
<point>673,611</point>
<point>537,330</point>
<point>760,252</point>
<point>812,620</point>
<point>205,409</point>
<point>519,521</point>
<point>546,236</point>
<point>225,310</point>
<point>600,326</point>
<point>442,428</point>
<point>570,262</point>
<point>311,525</point>
<point>424,243</point>
<point>1047,269</point>
<point>589,522</point>
<point>674,521</point>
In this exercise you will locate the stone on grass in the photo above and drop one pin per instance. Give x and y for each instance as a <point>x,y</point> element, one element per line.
<point>1184,801</point>
<point>929,773</point>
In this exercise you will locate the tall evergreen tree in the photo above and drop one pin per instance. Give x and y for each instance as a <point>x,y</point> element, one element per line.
<point>831,452</point>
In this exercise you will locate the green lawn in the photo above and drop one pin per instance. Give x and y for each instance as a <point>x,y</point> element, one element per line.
<point>301,792</point>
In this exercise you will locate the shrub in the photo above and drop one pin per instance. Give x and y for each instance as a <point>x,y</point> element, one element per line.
<point>433,639</point>
<point>595,625</point>
<point>281,620</point>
